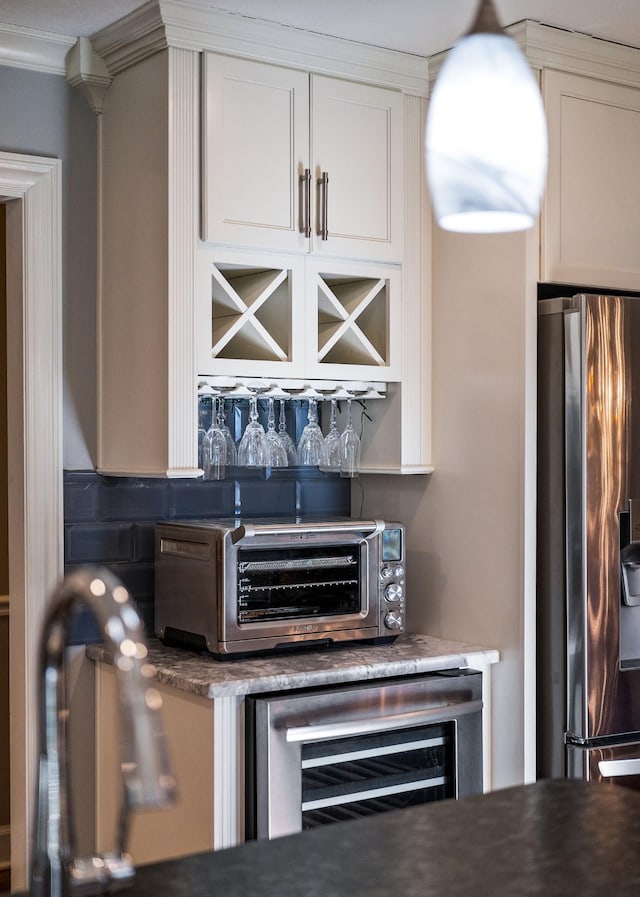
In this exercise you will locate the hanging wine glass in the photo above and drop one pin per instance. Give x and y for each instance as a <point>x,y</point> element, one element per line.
<point>277,451</point>
<point>286,440</point>
<point>311,448</point>
<point>214,450</point>
<point>253,450</point>
<point>205,400</point>
<point>332,439</point>
<point>349,448</point>
<point>232,453</point>
<point>201,436</point>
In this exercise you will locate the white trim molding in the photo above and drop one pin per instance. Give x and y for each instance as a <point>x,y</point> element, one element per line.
<point>547,46</point>
<point>28,48</point>
<point>228,766</point>
<point>195,25</point>
<point>31,188</point>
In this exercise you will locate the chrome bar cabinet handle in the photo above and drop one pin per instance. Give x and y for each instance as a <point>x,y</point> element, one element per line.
<point>323,186</point>
<point>305,189</point>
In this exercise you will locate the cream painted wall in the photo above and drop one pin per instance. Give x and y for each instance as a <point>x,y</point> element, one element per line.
<point>471,524</point>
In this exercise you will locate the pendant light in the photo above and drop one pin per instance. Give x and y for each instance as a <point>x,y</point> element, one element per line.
<point>486,134</point>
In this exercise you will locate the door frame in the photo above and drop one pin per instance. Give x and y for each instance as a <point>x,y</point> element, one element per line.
<point>31,188</point>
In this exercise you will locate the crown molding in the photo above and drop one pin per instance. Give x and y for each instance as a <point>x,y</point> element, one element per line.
<point>132,38</point>
<point>28,48</point>
<point>553,48</point>
<point>193,26</point>
<point>190,25</point>
<point>546,46</point>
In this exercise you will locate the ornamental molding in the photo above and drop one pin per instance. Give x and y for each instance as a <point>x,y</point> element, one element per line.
<point>548,47</point>
<point>192,25</point>
<point>39,51</point>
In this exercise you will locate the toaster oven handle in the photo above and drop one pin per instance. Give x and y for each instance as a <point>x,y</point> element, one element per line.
<point>349,526</point>
<point>348,728</point>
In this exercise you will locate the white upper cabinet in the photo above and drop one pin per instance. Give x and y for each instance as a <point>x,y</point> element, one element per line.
<point>213,256</point>
<point>591,217</point>
<point>299,162</point>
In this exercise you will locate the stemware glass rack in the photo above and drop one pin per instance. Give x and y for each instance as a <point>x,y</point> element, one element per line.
<point>235,403</point>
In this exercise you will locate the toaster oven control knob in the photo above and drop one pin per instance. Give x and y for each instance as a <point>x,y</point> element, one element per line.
<point>393,620</point>
<point>393,592</point>
<point>386,572</point>
<point>399,571</point>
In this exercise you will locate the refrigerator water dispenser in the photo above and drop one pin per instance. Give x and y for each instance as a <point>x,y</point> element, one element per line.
<point>630,561</point>
<point>629,620</point>
<point>630,554</point>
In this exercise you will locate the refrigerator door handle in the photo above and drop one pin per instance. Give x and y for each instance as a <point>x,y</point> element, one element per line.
<point>612,768</point>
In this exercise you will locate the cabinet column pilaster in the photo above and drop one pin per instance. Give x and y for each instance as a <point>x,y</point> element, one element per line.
<point>416,294</point>
<point>183,139</point>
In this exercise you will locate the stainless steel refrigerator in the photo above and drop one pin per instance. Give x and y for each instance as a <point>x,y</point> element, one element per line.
<point>588,570</point>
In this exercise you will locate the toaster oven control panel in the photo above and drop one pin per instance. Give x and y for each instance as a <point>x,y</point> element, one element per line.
<point>392,579</point>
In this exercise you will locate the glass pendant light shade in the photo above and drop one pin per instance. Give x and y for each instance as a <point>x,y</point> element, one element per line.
<point>486,135</point>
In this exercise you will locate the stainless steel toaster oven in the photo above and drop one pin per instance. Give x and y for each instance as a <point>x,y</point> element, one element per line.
<point>232,587</point>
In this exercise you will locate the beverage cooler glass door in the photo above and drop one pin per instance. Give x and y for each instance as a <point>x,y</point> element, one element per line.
<point>328,755</point>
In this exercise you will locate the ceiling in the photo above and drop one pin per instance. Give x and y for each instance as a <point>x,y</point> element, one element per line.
<point>422,27</point>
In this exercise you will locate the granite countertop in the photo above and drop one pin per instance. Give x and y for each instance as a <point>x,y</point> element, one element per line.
<point>552,838</point>
<point>201,674</point>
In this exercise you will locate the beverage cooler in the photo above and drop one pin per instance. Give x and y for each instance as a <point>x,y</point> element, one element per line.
<point>327,755</point>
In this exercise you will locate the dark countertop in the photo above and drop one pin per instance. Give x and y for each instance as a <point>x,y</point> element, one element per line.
<point>554,838</point>
<point>201,674</point>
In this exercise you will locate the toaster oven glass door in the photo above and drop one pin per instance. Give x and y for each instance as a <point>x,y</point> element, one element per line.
<point>287,583</point>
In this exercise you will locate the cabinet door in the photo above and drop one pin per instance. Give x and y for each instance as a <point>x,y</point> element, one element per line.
<point>187,826</point>
<point>255,150</point>
<point>357,139</point>
<point>591,215</point>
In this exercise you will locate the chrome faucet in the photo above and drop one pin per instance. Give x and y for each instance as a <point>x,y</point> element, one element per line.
<point>147,779</point>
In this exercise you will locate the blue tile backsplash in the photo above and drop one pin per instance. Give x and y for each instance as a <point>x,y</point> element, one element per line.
<point>110,521</point>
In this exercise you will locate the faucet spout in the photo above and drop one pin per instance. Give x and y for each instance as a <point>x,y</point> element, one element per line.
<point>147,778</point>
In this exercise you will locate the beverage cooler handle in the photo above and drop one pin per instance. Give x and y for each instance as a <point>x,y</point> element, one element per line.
<point>613,768</point>
<point>348,728</point>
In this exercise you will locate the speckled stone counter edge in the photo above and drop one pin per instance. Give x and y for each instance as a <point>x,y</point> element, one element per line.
<point>201,674</point>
